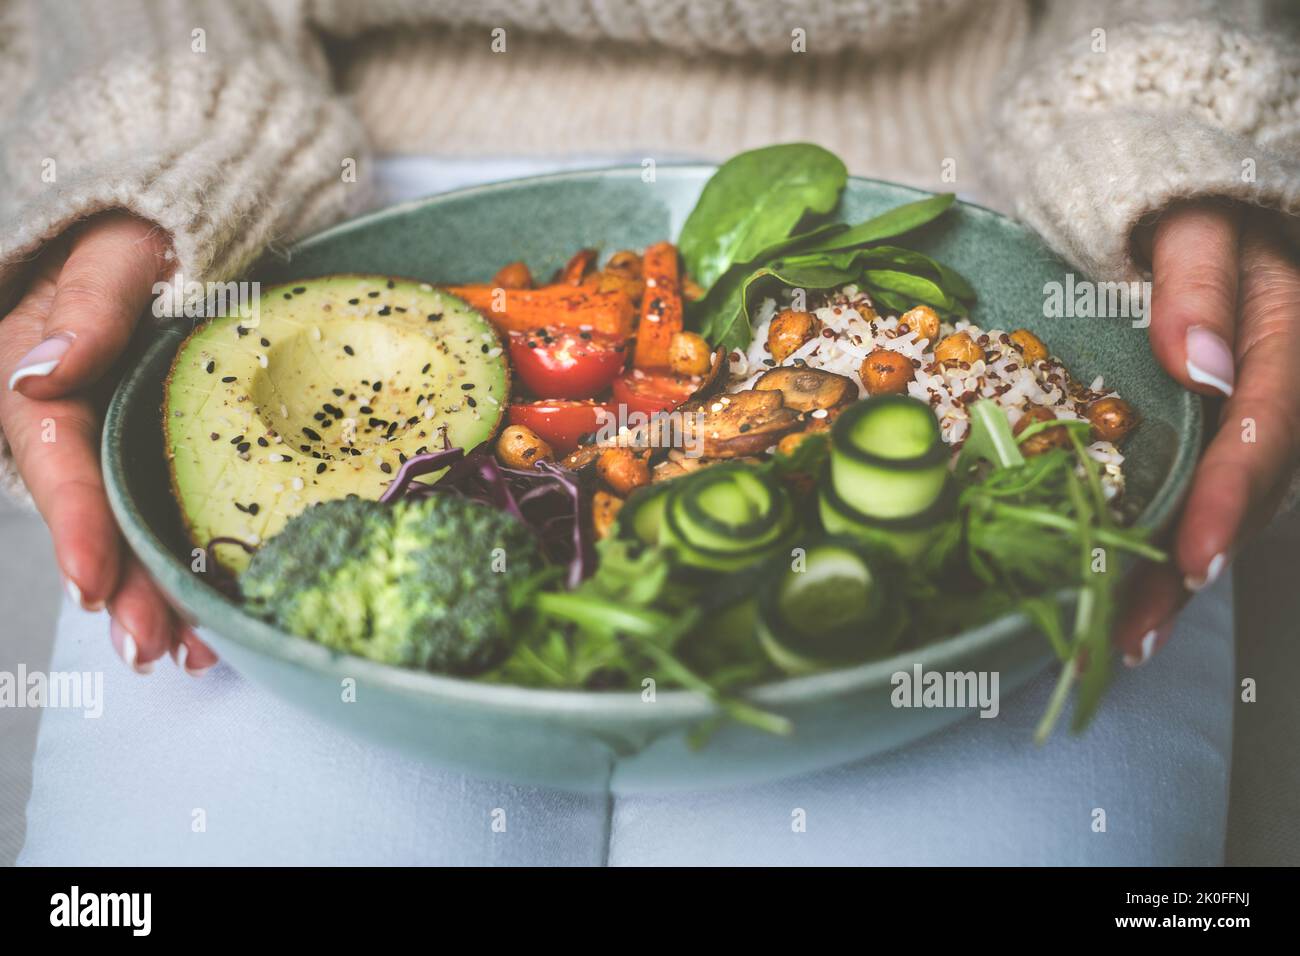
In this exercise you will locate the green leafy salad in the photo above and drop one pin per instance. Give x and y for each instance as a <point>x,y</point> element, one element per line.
<point>825,517</point>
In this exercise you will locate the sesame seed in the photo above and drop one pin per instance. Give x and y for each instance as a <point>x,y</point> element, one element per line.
<point>310,433</point>
<point>228,379</point>
<point>348,349</point>
<point>320,468</point>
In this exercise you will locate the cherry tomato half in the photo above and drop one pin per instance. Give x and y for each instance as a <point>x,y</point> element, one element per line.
<point>563,363</point>
<point>648,391</point>
<point>559,422</point>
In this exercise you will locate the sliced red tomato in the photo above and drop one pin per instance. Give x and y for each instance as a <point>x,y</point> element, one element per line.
<point>559,422</point>
<point>566,363</point>
<point>647,391</point>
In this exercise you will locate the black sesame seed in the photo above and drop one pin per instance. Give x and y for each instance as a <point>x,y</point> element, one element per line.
<point>242,447</point>
<point>263,442</point>
<point>299,290</point>
<point>304,447</point>
<point>399,308</point>
<point>254,508</point>
<point>320,468</point>
<point>377,386</point>
<point>237,439</point>
<point>266,343</point>
<point>385,311</point>
<point>425,370</point>
<point>434,316</point>
<point>348,349</point>
<point>228,378</point>
<point>377,423</point>
<point>373,295</point>
<point>241,331</point>
<point>391,284</point>
<point>313,435</point>
<point>354,301</point>
<point>467,386</point>
<point>386,468</point>
<point>288,295</point>
<point>240,507</point>
<point>210,366</point>
<point>484,349</point>
<point>472,403</point>
<point>366,409</point>
<point>214,436</point>
<point>337,391</point>
<point>319,416</point>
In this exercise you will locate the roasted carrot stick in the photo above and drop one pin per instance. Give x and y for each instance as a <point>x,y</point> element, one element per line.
<point>520,310</point>
<point>661,306</point>
<point>577,267</point>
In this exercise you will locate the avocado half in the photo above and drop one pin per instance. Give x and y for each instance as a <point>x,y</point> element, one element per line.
<point>322,392</point>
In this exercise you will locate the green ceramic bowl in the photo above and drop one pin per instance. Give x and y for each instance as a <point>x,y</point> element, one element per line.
<point>590,740</point>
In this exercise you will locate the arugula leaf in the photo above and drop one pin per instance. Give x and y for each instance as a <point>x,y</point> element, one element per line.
<point>990,439</point>
<point>753,201</point>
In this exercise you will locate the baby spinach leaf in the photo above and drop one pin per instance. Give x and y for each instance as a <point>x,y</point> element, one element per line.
<point>888,224</point>
<point>753,201</point>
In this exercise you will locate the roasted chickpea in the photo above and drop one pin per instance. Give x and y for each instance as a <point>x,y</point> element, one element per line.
<point>514,275</point>
<point>622,470</point>
<point>1045,440</point>
<point>625,261</point>
<point>788,331</point>
<point>958,347</point>
<point>885,372</point>
<point>1111,418</point>
<point>612,280</point>
<point>689,354</point>
<point>604,512</point>
<point>521,447</point>
<point>922,320</point>
<point>1030,345</point>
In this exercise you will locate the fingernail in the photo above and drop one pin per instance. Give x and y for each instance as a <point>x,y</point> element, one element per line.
<point>1209,360</point>
<point>1212,572</point>
<point>43,359</point>
<point>126,649</point>
<point>74,592</point>
<point>1152,641</point>
<point>183,658</point>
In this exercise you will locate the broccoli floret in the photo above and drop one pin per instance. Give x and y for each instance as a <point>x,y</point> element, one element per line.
<point>429,583</point>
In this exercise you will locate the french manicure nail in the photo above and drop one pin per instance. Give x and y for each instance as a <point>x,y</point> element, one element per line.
<point>74,592</point>
<point>183,658</point>
<point>43,359</point>
<point>1152,641</point>
<point>1212,572</point>
<point>126,648</point>
<point>1209,360</point>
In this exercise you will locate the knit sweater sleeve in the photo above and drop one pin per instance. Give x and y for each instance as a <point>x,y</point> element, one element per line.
<point>1122,107</point>
<point>213,118</point>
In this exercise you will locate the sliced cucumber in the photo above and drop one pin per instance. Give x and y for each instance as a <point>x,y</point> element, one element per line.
<point>641,517</point>
<point>888,459</point>
<point>907,537</point>
<point>843,606</point>
<point>721,518</point>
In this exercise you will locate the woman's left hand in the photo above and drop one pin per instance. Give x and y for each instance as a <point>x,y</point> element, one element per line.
<point>1225,322</point>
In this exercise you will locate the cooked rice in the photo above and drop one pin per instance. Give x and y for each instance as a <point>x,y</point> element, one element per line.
<point>851,330</point>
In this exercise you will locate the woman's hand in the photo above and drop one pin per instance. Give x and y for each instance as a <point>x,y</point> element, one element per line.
<point>73,323</point>
<point>1225,322</point>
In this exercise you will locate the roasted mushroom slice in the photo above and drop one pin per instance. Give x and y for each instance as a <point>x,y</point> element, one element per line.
<point>581,457</point>
<point>745,423</point>
<point>806,389</point>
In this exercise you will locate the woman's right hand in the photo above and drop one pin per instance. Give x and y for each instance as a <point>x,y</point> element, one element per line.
<point>63,336</point>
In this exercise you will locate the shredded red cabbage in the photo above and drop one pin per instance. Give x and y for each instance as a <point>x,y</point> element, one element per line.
<point>547,498</point>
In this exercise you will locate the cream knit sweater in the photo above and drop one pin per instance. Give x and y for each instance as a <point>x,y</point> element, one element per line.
<point>229,122</point>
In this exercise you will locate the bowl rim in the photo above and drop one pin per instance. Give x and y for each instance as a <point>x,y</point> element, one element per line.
<point>617,707</point>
